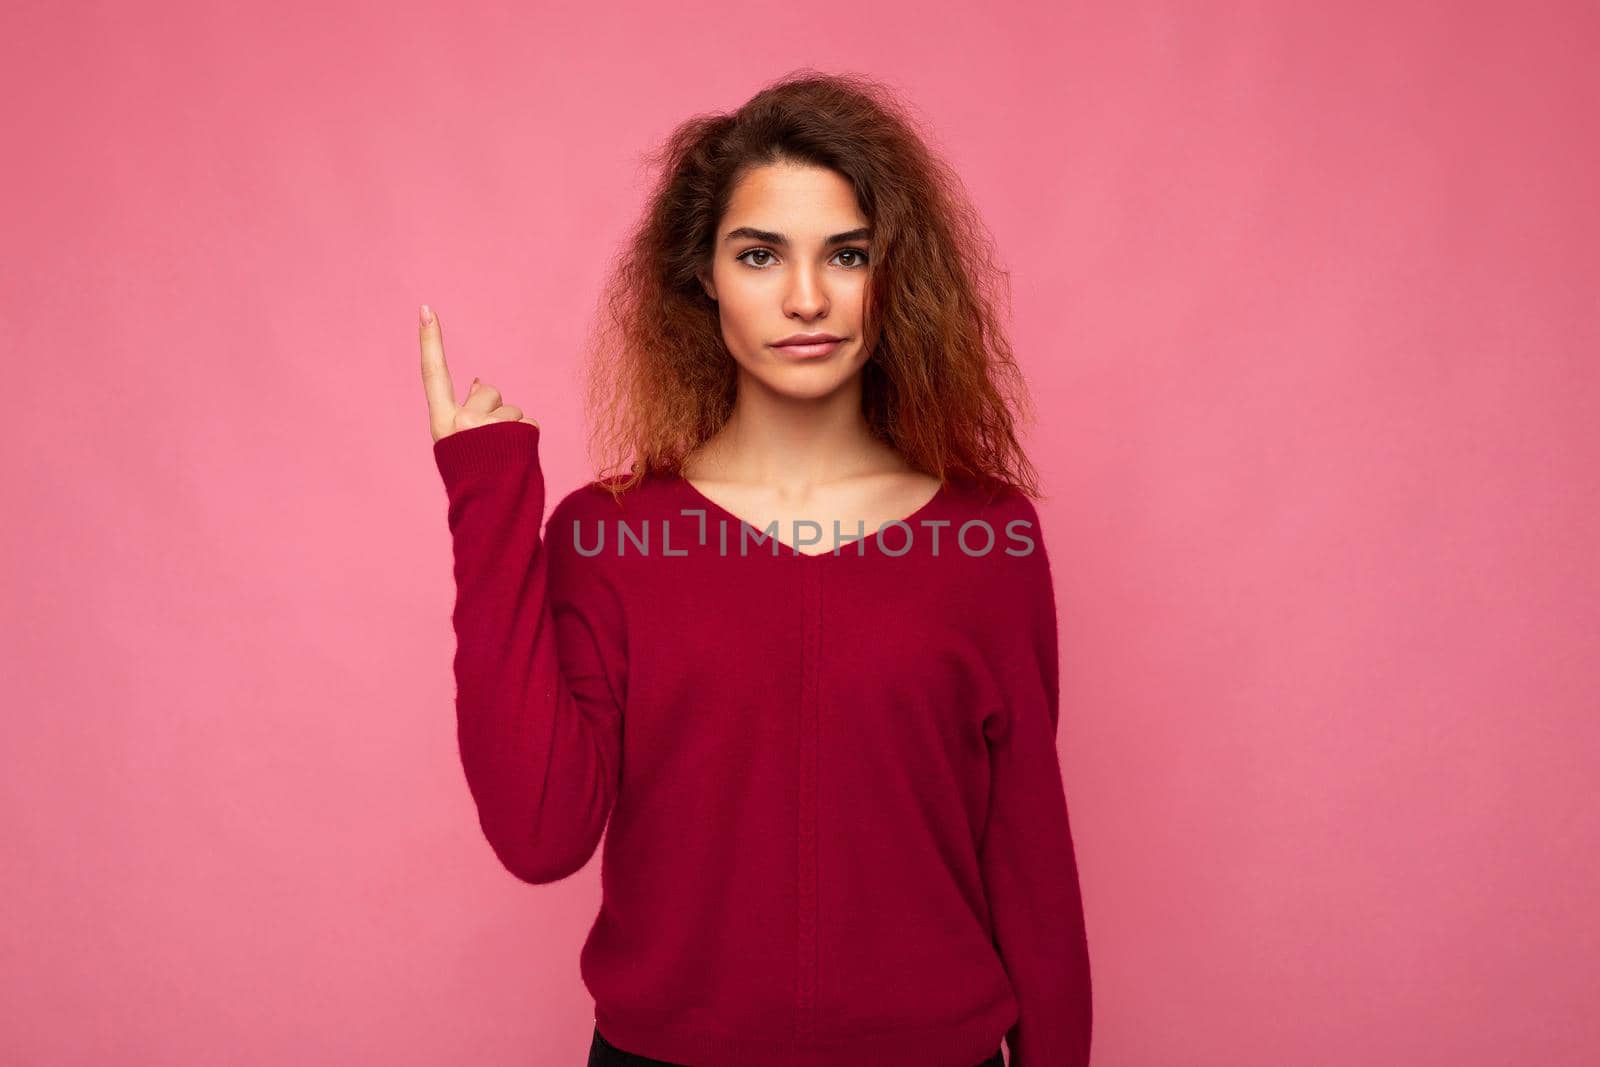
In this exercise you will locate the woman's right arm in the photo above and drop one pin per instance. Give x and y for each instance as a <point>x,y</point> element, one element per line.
<point>540,654</point>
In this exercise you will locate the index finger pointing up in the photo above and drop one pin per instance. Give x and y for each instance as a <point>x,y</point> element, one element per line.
<point>436,382</point>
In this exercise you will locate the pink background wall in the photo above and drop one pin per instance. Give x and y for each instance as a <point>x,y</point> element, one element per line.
<point>1308,299</point>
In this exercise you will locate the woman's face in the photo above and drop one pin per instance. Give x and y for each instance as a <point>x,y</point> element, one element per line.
<point>791,258</point>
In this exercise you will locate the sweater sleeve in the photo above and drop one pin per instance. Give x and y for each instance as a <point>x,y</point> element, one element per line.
<point>538,660</point>
<point>1029,868</point>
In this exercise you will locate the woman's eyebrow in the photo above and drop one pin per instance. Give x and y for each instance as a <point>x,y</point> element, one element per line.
<point>771,238</point>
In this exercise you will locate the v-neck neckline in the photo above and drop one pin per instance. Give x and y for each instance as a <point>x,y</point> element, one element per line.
<point>839,551</point>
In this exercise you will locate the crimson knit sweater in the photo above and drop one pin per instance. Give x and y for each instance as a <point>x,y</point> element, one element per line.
<point>837,827</point>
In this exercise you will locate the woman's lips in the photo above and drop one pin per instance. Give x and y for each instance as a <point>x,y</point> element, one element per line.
<point>821,348</point>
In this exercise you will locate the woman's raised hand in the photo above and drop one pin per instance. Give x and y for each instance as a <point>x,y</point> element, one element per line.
<point>445,417</point>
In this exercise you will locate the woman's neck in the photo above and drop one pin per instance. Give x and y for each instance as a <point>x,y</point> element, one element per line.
<point>793,444</point>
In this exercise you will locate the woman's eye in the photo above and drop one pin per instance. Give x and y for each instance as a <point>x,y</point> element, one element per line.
<point>859,254</point>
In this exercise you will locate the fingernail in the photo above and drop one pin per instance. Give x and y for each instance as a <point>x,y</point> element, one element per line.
<point>427,315</point>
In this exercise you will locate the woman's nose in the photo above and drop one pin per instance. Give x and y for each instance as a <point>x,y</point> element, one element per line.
<point>806,295</point>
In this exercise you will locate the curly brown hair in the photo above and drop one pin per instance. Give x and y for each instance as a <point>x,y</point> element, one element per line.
<point>941,385</point>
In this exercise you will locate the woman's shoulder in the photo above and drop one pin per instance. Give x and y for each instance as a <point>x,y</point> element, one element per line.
<point>998,524</point>
<point>596,511</point>
<point>612,498</point>
<point>990,500</point>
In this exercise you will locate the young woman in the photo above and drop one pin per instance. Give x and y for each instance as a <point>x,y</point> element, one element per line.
<point>798,665</point>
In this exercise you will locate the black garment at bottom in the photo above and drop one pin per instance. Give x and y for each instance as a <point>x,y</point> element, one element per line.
<point>603,1053</point>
